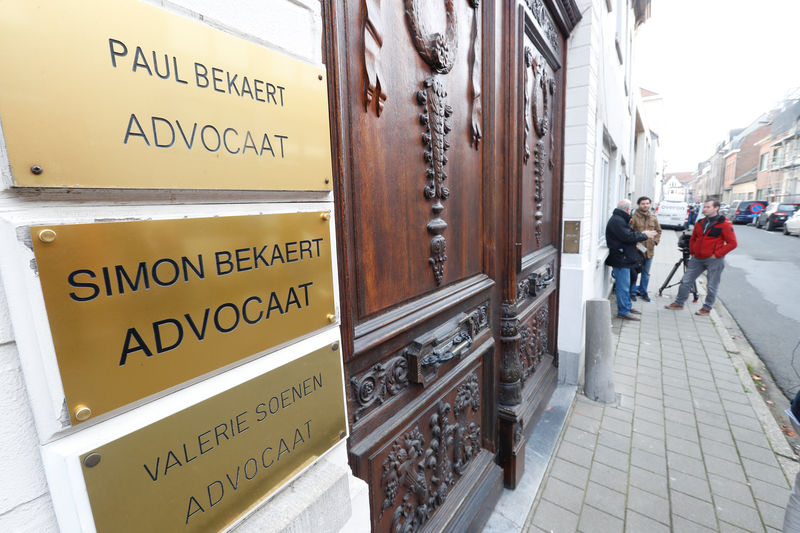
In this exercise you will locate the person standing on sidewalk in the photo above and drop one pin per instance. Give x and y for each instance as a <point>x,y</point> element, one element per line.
<point>642,219</point>
<point>623,255</point>
<point>712,239</point>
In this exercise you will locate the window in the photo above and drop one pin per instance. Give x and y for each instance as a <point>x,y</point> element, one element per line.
<point>764,161</point>
<point>601,197</point>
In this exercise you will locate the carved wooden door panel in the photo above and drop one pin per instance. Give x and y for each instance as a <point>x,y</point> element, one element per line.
<point>535,89</point>
<point>429,212</point>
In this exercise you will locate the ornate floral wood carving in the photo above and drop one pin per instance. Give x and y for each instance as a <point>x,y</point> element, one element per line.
<point>534,342</point>
<point>510,391</point>
<point>475,74</point>
<point>383,381</point>
<point>437,126</point>
<point>543,92</point>
<point>528,90</point>
<point>541,15</point>
<point>438,50</point>
<point>373,41</point>
<point>427,473</point>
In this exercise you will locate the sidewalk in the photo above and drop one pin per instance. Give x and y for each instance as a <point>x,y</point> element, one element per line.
<point>689,445</point>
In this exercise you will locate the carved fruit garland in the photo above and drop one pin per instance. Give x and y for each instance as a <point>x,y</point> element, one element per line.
<point>543,89</point>
<point>427,473</point>
<point>439,51</point>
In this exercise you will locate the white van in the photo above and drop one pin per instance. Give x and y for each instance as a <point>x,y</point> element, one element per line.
<point>673,214</point>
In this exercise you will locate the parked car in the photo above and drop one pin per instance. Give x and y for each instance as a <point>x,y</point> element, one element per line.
<point>673,214</point>
<point>792,225</point>
<point>745,211</point>
<point>723,209</point>
<point>775,215</point>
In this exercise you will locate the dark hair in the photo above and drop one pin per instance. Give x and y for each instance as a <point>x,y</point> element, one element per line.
<point>714,202</point>
<point>643,198</point>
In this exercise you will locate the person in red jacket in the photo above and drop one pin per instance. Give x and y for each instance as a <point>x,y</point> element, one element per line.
<point>712,238</point>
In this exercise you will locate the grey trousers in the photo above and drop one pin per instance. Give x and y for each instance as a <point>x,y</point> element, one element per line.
<point>713,268</point>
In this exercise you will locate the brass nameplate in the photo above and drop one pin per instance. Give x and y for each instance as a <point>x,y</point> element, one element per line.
<point>202,468</point>
<point>572,237</point>
<point>138,307</point>
<point>124,94</point>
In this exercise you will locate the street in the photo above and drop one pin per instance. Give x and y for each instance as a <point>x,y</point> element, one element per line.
<point>761,289</point>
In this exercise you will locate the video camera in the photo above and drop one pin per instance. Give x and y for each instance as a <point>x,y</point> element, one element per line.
<point>683,241</point>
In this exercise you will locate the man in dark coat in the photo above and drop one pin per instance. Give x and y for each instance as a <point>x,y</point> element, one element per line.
<point>623,255</point>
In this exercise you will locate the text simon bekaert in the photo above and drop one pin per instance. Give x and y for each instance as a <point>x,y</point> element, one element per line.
<point>167,132</point>
<point>87,284</point>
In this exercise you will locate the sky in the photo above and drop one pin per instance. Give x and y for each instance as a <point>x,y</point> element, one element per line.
<point>718,64</point>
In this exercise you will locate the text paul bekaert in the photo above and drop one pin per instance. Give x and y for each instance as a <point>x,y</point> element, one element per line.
<point>94,284</point>
<point>168,132</point>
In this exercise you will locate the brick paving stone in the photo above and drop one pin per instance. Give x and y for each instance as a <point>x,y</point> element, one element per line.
<point>685,464</point>
<point>702,404</point>
<point>705,394</point>
<point>770,474</point>
<point>732,490</point>
<point>725,527</point>
<point>755,438</point>
<point>739,515</point>
<point>647,480</point>
<point>649,505</point>
<point>580,437</point>
<point>723,468</point>
<point>682,525</point>
<point>648,428</point>
<point>739,409</point>
<point>650,403</point>
<point>617,426</point>
<point>718,434</point>
<point>615,441</point>
<point>607,456</point>
<point>635,523</point>
<point>575,454</point>
<point>551,517</point>
<point>649,444</point>
<point>689,484</point>
<point>609,500</point>
<point>563,494</point>
<point>650,415</point>
<point>609,477</point>
<point>771,514</point>
<point>624,415</point>
<point>686,447</point>
<point>676,415</point>
<point>744,421</point>
<point>693,509</point>
<point>569,472</point>
<point>757,453</point>
<point>719,449</point>
<point>590,425</point>
<point>675,428</point>
<point>653,390</point>
<point>649,461</point>
<point>674,372</point>
<point>774,494</point>
<point>728,396</point>
<point>594,520</point>
<point>681,404</point>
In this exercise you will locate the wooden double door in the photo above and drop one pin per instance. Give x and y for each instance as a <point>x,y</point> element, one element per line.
<point>447,121</point>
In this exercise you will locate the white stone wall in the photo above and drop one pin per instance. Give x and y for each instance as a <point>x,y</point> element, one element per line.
<point>29,414</point>
<point>598,112</point>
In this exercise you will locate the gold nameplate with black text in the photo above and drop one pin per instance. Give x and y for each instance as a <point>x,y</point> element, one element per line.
<point>202,468</point>
<point>138,307</point>
<point>124,94</point>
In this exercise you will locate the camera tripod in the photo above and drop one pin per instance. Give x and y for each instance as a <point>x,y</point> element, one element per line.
<point>682,261</point>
